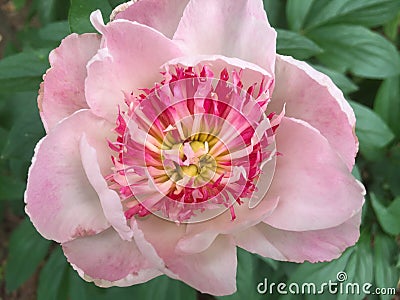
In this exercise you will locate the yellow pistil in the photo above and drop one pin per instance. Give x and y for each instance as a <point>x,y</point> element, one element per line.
<point>190,170</point>
<point>196,146</point>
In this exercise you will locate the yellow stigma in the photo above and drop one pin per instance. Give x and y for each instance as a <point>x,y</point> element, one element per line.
<point>190,170</point>
<point>196,146</point>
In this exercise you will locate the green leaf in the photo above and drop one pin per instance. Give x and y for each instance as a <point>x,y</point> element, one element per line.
<point>55,31</point>
<point>115,3</point>
<point>11,188</point>
<point>385,272</point>
<point>48,36</point>
<point>27,249</point>
<point>246,279</point>
<point>165,288</point>
<point>24,134</point>
<point>388,217</point>
<point>296,13</point>
<point>320,273</point>
<point>46,10</point>
<point>19,4</point>
<point>355,262</point>
<point>276,13</point>
<point>14,105</point>
<point>19,168</point>
<point>160,288</point>
<point>80,11</point>
<point>274,264</point>
<point>79,288</point>
<point>3,138</point>
<point>356,172</point>
<point>296,45</point>
<point>359,268</point>
<point>21,84</point>
<point>387,103</point>
<point>357,49</point>
<point>23,71</point>
<point>52,10</point>
<point>386,173</point>
<point>391,28</point>
<point>360,12</point>
<point>371,130</point>
<point>343,82</point>
<point>52,277</point>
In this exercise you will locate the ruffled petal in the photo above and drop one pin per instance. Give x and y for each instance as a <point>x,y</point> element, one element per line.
<point>162,15</point>
<point>211,271</point>
<point>249,78</point>
<point>199,236</point>
<point>130,60</point>
<point>61,202</point>
<point>63,91</point>
<point>315,188</point>
<point>109,261</point>
<point>231,28</point>
<point>313,246</point>
<point>312,96</point>
<point>109,199</point>
<point>251,72</point>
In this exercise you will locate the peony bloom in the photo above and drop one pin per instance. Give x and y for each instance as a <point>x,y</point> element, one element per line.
<point>177,135</point>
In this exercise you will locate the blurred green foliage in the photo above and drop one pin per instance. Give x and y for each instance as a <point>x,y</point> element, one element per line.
<point>355,42</point>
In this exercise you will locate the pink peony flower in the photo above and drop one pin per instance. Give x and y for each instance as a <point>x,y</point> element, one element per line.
<point>177,135</point>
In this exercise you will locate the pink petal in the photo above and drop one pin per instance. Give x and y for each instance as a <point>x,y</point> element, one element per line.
<point>211,271</point>
<point>130,61</point>
<point>316,189</point>
<point>231,28</point>
<point>313,246</point>
<point>107,260</point>
<point>62,92</point>
<point>251,72</point>
<point>61,202</point>
<point>311,96</point>
<point>199,236</point>
<point>162,15</point>
<point>110,200</point>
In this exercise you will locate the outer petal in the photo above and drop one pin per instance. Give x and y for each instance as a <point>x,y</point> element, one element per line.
<point>316,189</point>
<point>162,15</point>
<point>110,201</point>
<point>199,236</point>
<point>107,260</point>
<point>313,246</point>
<point>131,60</point>
<point>61,202</point>
<point>211,271</point>
<point>231,28</point>
<point>312,96</point>
<point>62,92</point>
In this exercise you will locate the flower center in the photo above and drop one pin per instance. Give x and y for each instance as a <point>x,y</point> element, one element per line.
<point>192,146</point>
<point>190,163</point>
<point>193,159</point>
